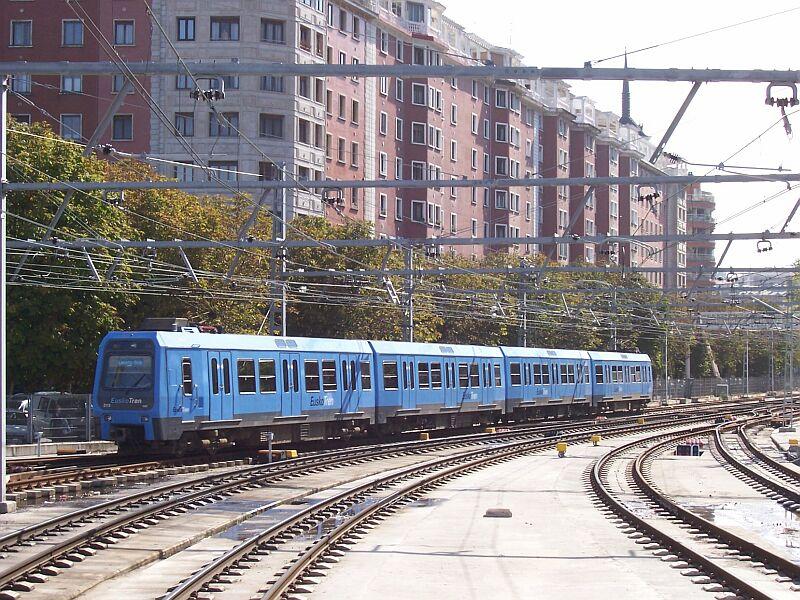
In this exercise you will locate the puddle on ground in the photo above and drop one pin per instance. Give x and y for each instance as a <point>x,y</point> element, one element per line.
<point>766,518</point>
<point>428,502</point>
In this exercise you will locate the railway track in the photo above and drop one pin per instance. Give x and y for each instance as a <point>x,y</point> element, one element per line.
<point>33,473</point>
<point>378,499</point>
<point>712,556</point>
<point>95,528</point>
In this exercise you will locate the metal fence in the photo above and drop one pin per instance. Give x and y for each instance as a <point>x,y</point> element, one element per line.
<point>711,386</point>
<point>48,416</point>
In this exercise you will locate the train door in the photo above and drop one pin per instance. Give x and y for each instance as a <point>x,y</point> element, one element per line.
<point>450,385</point>
<point>220,392</point>
<point>290,375</point>
<point>349,382</point>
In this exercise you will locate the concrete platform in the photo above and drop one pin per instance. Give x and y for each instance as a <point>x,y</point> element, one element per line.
<point>52,448</point>
<point>703,485</point>
<point>555,545</point>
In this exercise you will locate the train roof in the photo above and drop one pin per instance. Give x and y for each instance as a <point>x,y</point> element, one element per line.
<point>227,341</point>
<point>516,352</point>
<point>619,356</point>
<point>423,349</point>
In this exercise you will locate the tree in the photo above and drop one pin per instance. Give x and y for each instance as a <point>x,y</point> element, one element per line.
<point>55,328</point>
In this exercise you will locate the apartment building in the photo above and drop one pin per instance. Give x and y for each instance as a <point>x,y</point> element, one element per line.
<point>315,129</point>
<point>700,206</point>
<point>41,30</point>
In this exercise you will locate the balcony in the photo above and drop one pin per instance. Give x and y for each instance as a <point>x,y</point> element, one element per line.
<point>700,217</point>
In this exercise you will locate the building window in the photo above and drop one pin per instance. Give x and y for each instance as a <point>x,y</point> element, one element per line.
<point>355,112</point>
<point>384,86</point>
<point>342,107</point>
<point>415,12</point>
<point>501,132</point>
<point>383,205</point>
<point>183,82</point>
<point>398,89</point>
<point>501,99</point>
<point>453,150</point>
<point>383,41</point>
<point>223,125</point>
<point>500,231</point>
<point>184,124</point>
<point>304,39</point>
<point>224,29</point>
<point>186,29</point>
<point>474,227</point>
<point>354,154</point>
<point>71,33</point>
<point>22,33</point>
<point>418,133</point>
<point>225,170</point>
<point>398,209</point>
<point>304,131</point>
<point>71,127</point>
<point>272,83</point>
<point>453,114</point>
<point>123,33</point>
<point>501,199</point>
<point>453,223</point>
<point>418,211</point>
<point>117,82</point>
<point>184,172</point>
<point>22,118</point>
<point>71,84</point>
<point>383,164</point>
<point>417,170</point>
<point>500,165</point>
<point>341,151</point>
<point>21,83</point>
<point>398,129</point>
<point>383,123</point>
<point>123,127</point>
<point>398,168</point>
<point>418,94</point>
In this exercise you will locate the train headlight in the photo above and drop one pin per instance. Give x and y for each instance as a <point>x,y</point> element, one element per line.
<point>107,417</point>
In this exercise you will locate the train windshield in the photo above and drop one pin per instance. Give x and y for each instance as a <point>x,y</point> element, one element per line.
<point>128,372</point>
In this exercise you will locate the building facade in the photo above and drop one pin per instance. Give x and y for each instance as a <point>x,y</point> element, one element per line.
<point>700,206</point>
<point>73,106</point>
<point>312,129</point>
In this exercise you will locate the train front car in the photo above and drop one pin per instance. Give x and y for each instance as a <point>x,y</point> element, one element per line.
<point>125,398</point>
<point>621,382</point>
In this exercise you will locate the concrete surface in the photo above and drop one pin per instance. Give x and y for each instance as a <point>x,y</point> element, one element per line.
<point>555,545</point>
<point>52,448</point>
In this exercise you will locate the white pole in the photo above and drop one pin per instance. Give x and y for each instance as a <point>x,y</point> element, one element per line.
<point>284,216</point>
<point>666,361</point>
<point>5,505</point>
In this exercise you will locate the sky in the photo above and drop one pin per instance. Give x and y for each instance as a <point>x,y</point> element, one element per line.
<point>723,117</point>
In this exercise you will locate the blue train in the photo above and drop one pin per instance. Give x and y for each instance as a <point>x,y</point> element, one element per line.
<point>185,390</point>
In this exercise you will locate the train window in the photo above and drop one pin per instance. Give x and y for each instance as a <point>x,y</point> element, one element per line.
<point>246,375</point>
<point>515,376</point>
<point>353,382</point>
<point>498,376</point>
<point>214,376</point>
<point>564,376</point>
<point>424,375</point>
<point>405,375</point>
<point>266,376</point>
<point>474,376</point>
<point>344,375</point>
<point>483,369</point>
<point>186,376</point>
<point>463,375</point>
<point>586,373</point>
<point>285,375</point>
<point>537,374</point>
<point>329,375</point>
<point>312,375</point>
<point>571,373</point>
<point>598,373</point>
<point>411,374</point>
<point>366,376</point>
<point>226,375</point>
<point>436,375</point>
<point>389,376</point>
<point>446,375</point>
<point>453,374</point>
<point>295,376</point>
